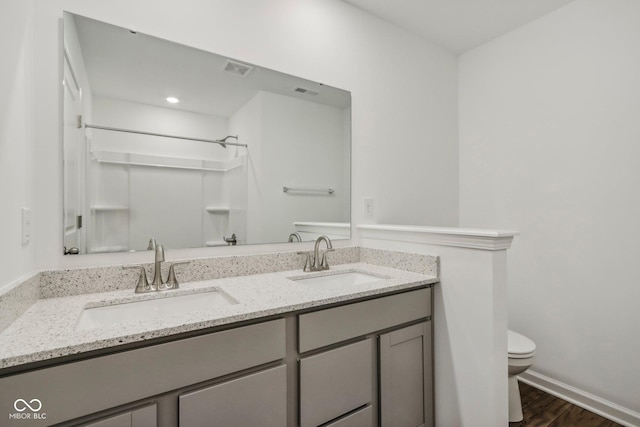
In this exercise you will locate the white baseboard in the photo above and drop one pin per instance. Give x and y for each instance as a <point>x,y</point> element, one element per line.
<point>588,401</point>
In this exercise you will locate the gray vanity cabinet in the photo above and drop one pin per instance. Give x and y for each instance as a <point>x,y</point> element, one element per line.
<point>361,364</point>
<point>91,386</point>
<point>406,379</point>
<point>143,417</point>
<point>254,400</point>
<point>388,369</point>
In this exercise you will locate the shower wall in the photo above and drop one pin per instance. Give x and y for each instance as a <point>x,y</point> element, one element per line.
<point>146,187</point>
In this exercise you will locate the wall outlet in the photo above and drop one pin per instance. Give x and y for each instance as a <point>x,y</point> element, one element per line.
<point>26,226</point>
<point>368,206</point>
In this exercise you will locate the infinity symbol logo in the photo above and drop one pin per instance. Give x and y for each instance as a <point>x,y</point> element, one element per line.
<point>25,405</point>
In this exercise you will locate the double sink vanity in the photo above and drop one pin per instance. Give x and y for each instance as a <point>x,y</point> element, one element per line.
<point>274,346</point>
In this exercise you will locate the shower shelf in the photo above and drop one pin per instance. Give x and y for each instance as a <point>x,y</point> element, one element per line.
<point>215,243</point>
<point>106,208</point>
<point>217,209</point>
<point>150,160</point>
<point>106,249</point>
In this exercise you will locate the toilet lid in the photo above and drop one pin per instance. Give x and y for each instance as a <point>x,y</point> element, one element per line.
<point>519,344</point>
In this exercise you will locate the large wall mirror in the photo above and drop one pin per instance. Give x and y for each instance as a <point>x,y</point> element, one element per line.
<point>194,149</point>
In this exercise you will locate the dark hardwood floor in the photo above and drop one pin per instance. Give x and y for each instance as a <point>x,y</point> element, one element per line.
<point>541,409</point>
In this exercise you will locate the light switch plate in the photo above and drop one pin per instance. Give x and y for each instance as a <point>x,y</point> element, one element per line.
<point>26,226</point>
<point>368,206</point>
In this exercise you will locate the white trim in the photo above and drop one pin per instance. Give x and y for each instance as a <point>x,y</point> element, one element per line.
<point>473,238</point>
<point>588,401</point>
<point>323,224</point>
<point>313,230</point>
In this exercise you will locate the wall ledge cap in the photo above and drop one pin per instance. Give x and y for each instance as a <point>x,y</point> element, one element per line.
<point>473,238</point>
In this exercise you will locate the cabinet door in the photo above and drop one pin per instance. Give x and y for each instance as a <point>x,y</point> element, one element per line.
<point>143,417</point>
<point>406,377</point>
<point>336,382</point>
<point>254,400</point>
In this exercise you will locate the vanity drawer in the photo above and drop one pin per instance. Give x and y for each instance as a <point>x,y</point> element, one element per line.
<point>254,400</point>
<point>108,381</point>
<point>325,327</point>
<point>361,418</point>
<point>143,417</point>
<point>336,382</point>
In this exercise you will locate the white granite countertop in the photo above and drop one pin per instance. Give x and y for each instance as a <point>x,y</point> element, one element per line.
<point>48,329</point>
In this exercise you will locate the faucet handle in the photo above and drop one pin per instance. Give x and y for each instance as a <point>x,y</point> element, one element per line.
<point>172,281</point>
<point>307,261</point>
<point>143,284</point>
<point>325,262</point>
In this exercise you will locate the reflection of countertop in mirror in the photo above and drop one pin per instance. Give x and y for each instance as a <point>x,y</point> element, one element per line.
<point>48,329</point>
<point>310,231</point>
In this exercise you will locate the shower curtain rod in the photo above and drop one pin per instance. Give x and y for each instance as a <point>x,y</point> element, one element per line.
<point>222,141</point>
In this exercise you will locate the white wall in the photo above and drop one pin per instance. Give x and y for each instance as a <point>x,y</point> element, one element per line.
<point>549,145</point>
<point>404,140</point>
<point>470,317</point>
<point>298,144</point>
<point>301,146</point>
<point>16,137</point>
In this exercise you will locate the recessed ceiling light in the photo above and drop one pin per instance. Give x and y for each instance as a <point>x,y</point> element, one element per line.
<point>172,100</point>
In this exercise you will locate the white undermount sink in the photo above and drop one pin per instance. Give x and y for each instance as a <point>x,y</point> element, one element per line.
<point>152,309</point>
<point>348,278</point>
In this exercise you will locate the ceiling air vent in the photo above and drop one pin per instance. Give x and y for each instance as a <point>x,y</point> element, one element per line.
<point>305,91</point>
<point>237,68</point>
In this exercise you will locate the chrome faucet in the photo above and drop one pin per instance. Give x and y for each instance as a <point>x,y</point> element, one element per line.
<point>158,284</point>
<point>323,264</point>
<point>317,263</point>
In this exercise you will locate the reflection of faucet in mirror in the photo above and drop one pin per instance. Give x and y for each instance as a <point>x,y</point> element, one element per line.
<point>152,245</point>
<point>295,236</point>
<point>231,241</point>
<point>71,251</point>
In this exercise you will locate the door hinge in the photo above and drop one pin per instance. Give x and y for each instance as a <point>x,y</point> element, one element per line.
<point>79,221</point>
<point>79,124</point>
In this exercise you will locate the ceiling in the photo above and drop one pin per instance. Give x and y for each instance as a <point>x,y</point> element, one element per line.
<point>459,25</point>
<point>139,68</point>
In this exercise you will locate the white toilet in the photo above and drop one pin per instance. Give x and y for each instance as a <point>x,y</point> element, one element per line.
<point>521,351</point>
